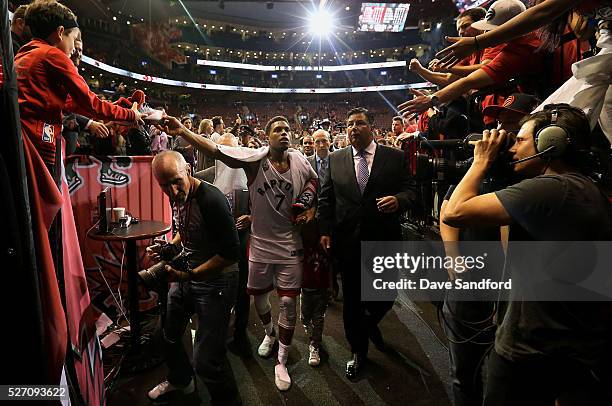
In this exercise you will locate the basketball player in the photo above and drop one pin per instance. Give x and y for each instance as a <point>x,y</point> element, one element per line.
<point>279,180</point>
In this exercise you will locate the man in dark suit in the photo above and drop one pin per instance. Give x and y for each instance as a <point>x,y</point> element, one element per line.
<point>320,159</point>
<point>365,190</point>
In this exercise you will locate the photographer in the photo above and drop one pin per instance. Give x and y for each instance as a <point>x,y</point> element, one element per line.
<point>543,350</point>
<point>469,325</point>
<point>207,232</point>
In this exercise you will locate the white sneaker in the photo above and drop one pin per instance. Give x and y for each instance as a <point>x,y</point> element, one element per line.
<point>266,346</point>
<point>166,387</point>
<point>314,358</point>
<point>281,377</point>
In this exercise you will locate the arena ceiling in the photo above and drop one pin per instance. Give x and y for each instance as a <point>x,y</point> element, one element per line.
<point>283,13</point>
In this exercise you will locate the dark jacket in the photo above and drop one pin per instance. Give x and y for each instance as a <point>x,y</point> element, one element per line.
<point>350,217</point>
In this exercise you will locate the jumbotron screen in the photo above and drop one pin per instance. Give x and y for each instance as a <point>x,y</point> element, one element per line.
<point>381,17</point>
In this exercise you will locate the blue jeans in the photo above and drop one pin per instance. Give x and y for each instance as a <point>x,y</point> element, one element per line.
<point>211,301</point>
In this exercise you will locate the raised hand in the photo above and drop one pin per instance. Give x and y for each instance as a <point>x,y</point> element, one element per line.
<point>171,125</point>
<point>420,103</point>
<point>460,48</point>
<point>98,129</point>
<point>138,116</point>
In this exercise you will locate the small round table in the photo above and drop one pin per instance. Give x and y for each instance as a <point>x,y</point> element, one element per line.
<point>143,230</point>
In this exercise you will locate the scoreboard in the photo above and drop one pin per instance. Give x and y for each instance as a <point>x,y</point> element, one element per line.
<point>381,17</point>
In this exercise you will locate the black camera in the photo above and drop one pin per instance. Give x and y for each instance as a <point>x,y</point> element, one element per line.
<point>156,276</point>
<point>449,160</point>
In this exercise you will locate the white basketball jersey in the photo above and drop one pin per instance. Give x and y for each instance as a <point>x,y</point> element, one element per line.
<point>274,237</point>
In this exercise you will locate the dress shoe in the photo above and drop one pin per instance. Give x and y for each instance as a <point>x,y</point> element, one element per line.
<point>354,366</point>
<point>378,340</point>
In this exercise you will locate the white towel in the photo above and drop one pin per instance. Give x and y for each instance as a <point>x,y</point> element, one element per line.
<point>301,170</point>
<point>229,179</point>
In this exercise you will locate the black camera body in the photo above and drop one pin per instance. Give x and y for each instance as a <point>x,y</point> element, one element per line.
<point>456,159</point>
<point>156,276</point>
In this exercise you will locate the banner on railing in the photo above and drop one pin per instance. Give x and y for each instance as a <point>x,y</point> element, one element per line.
<point>133,187</point>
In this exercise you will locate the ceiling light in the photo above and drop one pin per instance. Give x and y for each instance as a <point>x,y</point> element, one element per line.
<point>321,22</point>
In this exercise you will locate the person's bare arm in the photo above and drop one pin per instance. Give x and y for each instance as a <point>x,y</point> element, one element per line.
<point>437,78</point>
<point>172,126</point>
<point>422,102</point>
<point>524,23</point>
<point>450,236</point>
<point>463,71</point>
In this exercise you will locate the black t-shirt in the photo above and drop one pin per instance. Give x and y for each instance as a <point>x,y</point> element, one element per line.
<point>207,226</point>
<point>567,207</point>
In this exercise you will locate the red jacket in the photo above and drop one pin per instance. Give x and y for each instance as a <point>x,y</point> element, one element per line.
<point>48,83</point>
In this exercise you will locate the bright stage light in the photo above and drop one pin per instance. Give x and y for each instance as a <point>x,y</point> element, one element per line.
<point>321,23</point>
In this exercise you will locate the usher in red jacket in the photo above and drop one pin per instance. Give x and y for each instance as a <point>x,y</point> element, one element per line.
<point>49,83</point>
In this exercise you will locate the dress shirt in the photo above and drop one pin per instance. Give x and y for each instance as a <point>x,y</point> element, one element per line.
<point>369,156</point>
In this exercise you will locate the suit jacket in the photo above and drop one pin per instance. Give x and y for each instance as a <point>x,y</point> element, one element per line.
<point>347,215</point>
<point>313,162</point>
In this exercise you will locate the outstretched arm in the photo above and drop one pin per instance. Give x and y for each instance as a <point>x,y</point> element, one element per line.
<point>172,126</point>
<point>422,102</point>
<point>524,23</point>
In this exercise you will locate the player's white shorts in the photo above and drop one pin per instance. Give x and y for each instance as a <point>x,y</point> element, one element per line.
<point>264,277</point>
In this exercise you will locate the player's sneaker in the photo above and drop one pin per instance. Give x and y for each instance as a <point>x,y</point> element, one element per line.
<point>266,346</point>
<point>281,377</point>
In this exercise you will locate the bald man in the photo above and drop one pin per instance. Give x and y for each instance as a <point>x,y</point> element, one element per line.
<point>319,160</point>
<point>207,232</point>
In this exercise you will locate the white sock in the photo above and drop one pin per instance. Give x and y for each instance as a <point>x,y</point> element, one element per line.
<point>283,353</point>
<point>269,328</point>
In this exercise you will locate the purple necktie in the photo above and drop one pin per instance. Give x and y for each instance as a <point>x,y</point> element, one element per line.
<point>362,171</point>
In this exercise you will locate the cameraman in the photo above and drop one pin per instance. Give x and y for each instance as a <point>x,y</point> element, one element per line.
<point>469,325</point>
<point>207,231</point>
<point>542,349</point>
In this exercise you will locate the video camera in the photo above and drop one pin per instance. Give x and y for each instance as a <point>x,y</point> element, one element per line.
<point>156,276</point>
<point>457,158</point>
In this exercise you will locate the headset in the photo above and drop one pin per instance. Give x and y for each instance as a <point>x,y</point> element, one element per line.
<point>551,141</point>
<point>552,138</point>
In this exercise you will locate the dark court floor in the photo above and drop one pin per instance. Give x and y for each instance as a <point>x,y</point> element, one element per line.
<point>414,372</point>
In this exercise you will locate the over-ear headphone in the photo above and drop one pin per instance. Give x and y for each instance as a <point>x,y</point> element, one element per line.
<point>552,141</point>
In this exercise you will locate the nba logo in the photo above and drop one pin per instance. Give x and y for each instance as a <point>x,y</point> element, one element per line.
<point>48,133</point>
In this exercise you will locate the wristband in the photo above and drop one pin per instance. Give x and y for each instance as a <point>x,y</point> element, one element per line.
<point>476,43</point>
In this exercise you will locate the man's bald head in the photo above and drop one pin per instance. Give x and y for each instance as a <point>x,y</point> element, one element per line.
<point>168,161</point>
<point>228,139</point>
<point>322,141</point>
<point>173,175</point>
<point>321,133</point>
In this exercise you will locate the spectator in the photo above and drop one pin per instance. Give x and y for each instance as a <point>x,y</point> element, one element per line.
<point>20,32</point>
